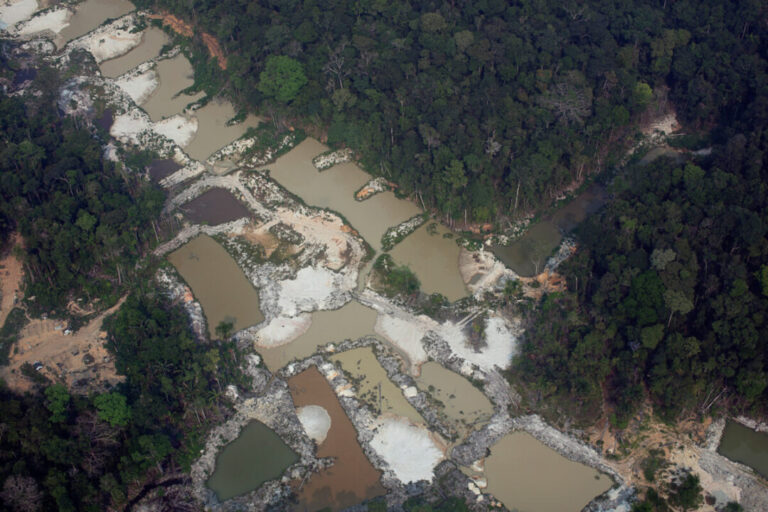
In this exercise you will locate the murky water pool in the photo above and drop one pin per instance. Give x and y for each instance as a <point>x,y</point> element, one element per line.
<point>334,188</point>
<point>215,206</point>
<point>528,254</point>
<point>351,322</point>
<point>742,444</point>
<point>352,478</point>
<point>162,168</point>
<point>89,15</point>
<point>462,403</point>
<point>434,259</point>
<point>218,283</point>
<point>213,132</point>
<point>152,41</point>
<point>374,387</point>
<point>174,75</point>
<point>256,456</point>
<point>528,476</point>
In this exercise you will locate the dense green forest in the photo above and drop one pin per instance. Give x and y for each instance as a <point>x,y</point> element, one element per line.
<point>84,221</point>
<point>484,108</point>
<point>68,452</point>
<point>668,293</point>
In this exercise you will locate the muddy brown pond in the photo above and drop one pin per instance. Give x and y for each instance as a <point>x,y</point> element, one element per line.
<point>528,476</point>
<point>152,41</point>
<point>352,479</point>
<point>742,444</point>
<point>89,15</point>
<point>215,206</point>
<point>162,168</point>
<point>224,292</point>
<point>256,456</point>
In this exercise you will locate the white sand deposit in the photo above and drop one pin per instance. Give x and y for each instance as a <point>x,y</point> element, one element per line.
<point>138,87</point>
<point>316,422</point>
<point>179,128</point>
<point>313,288</point>
<point>128,127</point>
<point>54,20</point>
<point>282,330</point>
<point>408,450</point>
<point>13,12</point>
<point>109,42</point>
<point>405,335</point>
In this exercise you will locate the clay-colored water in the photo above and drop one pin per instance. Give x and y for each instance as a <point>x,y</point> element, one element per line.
<point>528,255</point>
<point>374,386</point>
<point>89,15</point>
<point>434,259</point>
<point>218,283</point>
<point>335,188</point>
<point>352,478</point>
<point>256,456</point>
<point>350,322</point>
<point>174,75</point>
<point>528,476</point>
<point>212,130</point>
<point>745,445</point>
<point>462,402</point>
<point>215,206</point>
<point>152,41</point>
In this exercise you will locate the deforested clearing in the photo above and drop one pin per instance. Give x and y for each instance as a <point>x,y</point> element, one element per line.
<point>409,450</point>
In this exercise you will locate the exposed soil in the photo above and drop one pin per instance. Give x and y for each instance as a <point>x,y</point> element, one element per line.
<point>215,206</point>
<point>187,30</point>
<point>11,275</point>
<point>352,478</point>
<point>79,360</point>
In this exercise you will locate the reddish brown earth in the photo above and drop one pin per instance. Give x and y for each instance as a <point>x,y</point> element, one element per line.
<point>352,479</point>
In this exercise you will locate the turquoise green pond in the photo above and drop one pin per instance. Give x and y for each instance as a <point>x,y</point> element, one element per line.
<point>745,445</point>
<point>256,456</point>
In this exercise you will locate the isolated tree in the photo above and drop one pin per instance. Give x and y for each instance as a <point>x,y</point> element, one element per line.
<point>282,78</point>
<point>113,408</point>
<point>57,402</point>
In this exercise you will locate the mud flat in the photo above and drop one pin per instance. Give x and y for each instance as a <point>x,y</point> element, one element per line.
<point>351,479</point>
<point>218,283</point>
<point>434,258</point>
<point>152,41</point>
<point>526,475</point>
<point>89,15</point>
<point>373,385</point>
<point>350,322</point>
<point>213,133</point>
<point>256,456</point>
<point>216,206</point>
<point>175,75</point>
